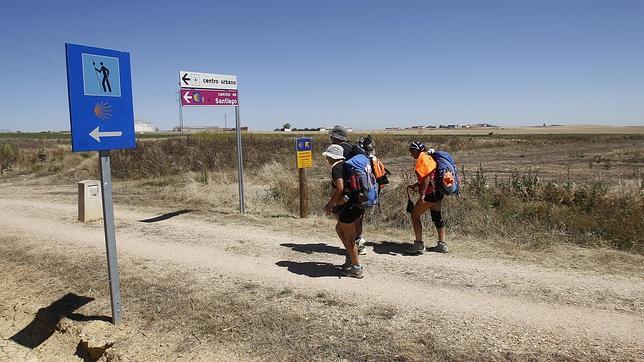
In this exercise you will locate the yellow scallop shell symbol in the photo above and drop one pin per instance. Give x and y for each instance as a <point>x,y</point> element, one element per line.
<point>103,110</point>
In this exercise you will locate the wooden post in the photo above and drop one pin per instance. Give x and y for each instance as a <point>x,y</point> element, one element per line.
<point>304,193</point>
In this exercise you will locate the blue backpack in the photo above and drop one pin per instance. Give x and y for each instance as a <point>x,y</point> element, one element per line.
<point>447,179</point>
<point>361,182</point>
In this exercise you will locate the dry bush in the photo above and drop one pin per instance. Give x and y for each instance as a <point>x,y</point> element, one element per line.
<point>540,213</point>
<point>212,152</point>
<point>50,158</point>
<point>282,184</point>
<point>536,214</point>
<point>8,156</point>
<point>217,151</point>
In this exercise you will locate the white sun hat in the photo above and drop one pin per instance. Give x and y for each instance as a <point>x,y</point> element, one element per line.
<point>336,152</point>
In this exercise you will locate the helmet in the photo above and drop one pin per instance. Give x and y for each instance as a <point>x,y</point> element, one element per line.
<point>417,145</point>
<point>366,143</point>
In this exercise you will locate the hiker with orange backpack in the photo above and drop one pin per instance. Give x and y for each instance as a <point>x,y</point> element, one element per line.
<point>431,195</point>
<point>378,168</point>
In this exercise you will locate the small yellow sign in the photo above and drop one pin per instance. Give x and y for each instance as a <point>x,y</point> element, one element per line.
<point>304,159</point>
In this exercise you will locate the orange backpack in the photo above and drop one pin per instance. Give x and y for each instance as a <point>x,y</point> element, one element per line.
<point>379,171</point>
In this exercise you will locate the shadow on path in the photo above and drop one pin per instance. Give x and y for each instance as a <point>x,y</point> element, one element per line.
<point>167,216</point>
<point>315,248</point>
<point>42,327</point>
<point>389,248</point>
<point>311,269</point>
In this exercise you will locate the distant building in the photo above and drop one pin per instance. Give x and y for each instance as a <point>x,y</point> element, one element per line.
<point>142,126</point>
<point>199,129</point>
<point>483,125</point>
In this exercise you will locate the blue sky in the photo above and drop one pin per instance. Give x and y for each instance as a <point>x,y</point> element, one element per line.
<point>361,63</point>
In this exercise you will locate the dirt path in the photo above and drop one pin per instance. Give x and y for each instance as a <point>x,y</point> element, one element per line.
<point>510,306</point>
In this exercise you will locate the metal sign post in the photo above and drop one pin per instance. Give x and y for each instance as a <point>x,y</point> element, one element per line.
<point>304,154</point>
<point>180,113</point>
<point>102,119</point>
<point>208,89</point>
<point>240,161</point>
<point>110,236</point>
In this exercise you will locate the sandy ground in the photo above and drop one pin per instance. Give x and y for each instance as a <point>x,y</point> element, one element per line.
<point>462,305</point>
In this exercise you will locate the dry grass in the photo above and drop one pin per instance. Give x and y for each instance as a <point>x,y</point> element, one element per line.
<point>537,189</point>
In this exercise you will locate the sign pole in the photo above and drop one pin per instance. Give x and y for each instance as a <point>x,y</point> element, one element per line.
<point>101,115</point>
<point>110,236</point>
<point>304,193</point>
<point>180,113</point>
<point>240,163</point>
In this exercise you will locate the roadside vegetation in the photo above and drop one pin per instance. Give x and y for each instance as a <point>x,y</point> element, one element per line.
<point>536,190</point>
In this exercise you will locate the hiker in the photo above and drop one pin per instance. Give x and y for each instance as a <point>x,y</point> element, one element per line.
<point>430,199</point>
<point>106,75</point>
<point>339,137</point>
<point>347,212</point>
<point>377,167</point>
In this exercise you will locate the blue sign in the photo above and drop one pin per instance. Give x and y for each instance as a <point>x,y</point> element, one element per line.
<point>303,144</point>
<point>100,98</point>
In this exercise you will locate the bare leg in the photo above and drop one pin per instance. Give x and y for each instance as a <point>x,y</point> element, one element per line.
<point>338,230</point>
<point>349,234</point>
<point>419,209</point>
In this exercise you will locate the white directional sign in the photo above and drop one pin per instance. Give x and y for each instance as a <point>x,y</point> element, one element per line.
<point>207,80</point>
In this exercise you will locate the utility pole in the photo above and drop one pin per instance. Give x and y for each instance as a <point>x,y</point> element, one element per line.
<point>180,111</point>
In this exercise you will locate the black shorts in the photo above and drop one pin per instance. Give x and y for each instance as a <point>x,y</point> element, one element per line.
<point>349,214</point>
<point>434,197</point>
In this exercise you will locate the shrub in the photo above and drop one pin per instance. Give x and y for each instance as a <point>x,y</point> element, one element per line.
<point>8,156</point>
<point>283,186</point>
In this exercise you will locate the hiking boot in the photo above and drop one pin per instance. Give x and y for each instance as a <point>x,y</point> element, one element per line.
<point>360,244</point>
<point>441,247</point>
<point>416,248</point>
<point>354,271</point>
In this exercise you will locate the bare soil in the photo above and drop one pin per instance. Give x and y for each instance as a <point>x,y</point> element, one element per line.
<point>205,285</point>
